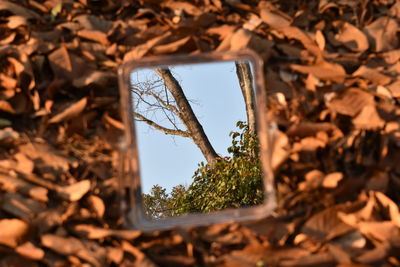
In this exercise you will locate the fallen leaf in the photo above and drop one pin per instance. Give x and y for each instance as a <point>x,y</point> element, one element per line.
<point>295,33</point>
<point>341,256</point>
<point>391,206</point>
<point>46,157</point>
<point>67,66</point>
<point>382,33</point>
<point>374,255</point>
<point>75,191</point>
<point>384,232</point>
<point>326,224</point>
<point>351,101</point>
<point>30,251</point>
<point>100,78</point>
<point>274,19</point>
<point>350,36</point>
<point>12,231</point>
<point>115,255</point>
<point>93,23</point>
<point>97,205</point>
<point>15,184</point>
<point>20,206</point>
<point>16,21</point>
<point>18,10</point>
<point>372,75</point>
<point>70,112</point>
<point>323,71</point>
<point>394,88</point>
<point>92,232</point>
<point>73,246</point>
<point>96,36</point>
<point>320,40</point>
<point>368,119</point>
<point>331,180</point>
<point>174,46</point>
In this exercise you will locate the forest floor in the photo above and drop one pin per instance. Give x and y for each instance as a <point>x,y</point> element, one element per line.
<point>333,90</point>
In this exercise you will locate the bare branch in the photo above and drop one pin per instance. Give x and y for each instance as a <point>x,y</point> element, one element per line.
<point>161,128</point>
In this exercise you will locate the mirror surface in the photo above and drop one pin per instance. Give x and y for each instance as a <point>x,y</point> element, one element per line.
<point>196,137</point>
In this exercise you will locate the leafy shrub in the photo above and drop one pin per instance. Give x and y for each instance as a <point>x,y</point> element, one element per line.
<point>228,182</point>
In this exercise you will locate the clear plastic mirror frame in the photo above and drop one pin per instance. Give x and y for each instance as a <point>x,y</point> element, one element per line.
<point>133,211</point>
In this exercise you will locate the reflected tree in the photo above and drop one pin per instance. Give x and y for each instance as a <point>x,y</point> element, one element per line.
<point>163,94</point>
<point>222,182</point>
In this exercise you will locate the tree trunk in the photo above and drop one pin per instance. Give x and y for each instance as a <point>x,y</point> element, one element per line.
<point>245,77</point>
<point>187,115</point>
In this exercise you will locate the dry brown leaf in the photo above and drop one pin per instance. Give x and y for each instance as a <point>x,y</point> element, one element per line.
<point>24,164</point>
<point>394,88</point>
<point>368,119</point>
<point>70,112</point>
<point>12,231</point>
<point>304,129</point>
<point>95,36</point>
<point>326,224</point>
<point>222,31</point>
<point>141,50</point>
<point>66,65</point>
<point>280,150</point>
<point>97,205</point>
<point>308,144</point>
<point>93,232</point>
<point>174,46</point>
<point>351,101</point>
<point>385,231</point>
<point>185,6</point>
<point>296,33</point>
<point>340,255</point>
<point>320,39</point>
<point>383,33</point>
<point>141,259</point>
<point>16,21</point>
<point>75,191</point>
<point>18,10</point>
<point>73,246</point>
<point>46,156</point>
<point>273,19</point>
<point>391,206</point>
<point>9,84</point>
<point>100,78</point>
<point>331,180</point>
<point>350,36</point>
<point>373,75</point>
<point>324,71</point>
<point>13,184</point>
<point>20,206</point>
<point>30,251</point>
<point>375,255</point>
<point>93,23</point>
<point>318,259</point>
<point>244,39</point>
<point>115,255</point>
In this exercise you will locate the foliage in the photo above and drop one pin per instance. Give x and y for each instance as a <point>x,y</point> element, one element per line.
<point>228,182</point>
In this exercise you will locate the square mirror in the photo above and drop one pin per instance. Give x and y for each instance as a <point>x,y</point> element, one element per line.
<point>195,149</point>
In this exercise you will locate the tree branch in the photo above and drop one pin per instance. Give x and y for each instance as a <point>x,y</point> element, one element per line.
<point>161,128</point>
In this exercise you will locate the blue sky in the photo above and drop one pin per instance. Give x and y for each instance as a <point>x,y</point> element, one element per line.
<point>218,104</point>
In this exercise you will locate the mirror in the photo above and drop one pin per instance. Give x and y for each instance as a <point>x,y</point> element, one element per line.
<point>195,141</point>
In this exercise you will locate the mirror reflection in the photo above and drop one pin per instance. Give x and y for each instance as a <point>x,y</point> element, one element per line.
<point>196,135</point>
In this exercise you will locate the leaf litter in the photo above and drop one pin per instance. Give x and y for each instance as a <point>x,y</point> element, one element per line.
<point>333,92</point>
